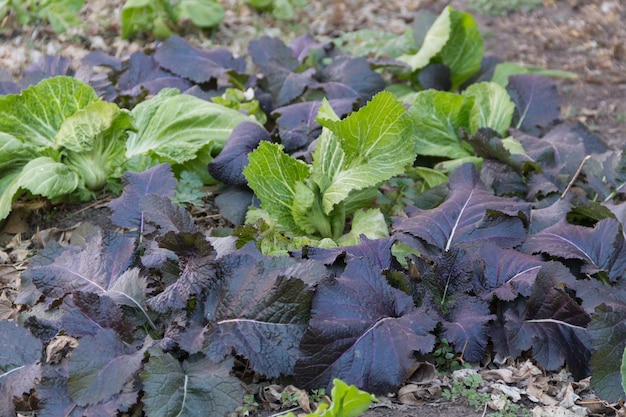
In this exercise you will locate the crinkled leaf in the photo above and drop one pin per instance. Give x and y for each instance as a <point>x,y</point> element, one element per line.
<point>20,353</point>
<point>196,386</point>
<point>100,367</point>
<point>89,313</point>
<point>353,157</point>
<point>48,66</point>
<point>466,327</point>
<point>167,216</point>
<point>157,180</point>
<point>197,270</point>
<point>228,166</point>
<point>470,213</point>
<point>273,175</point>
<point>36,114</point>
<point>437,119</point>
<point>378,251</point>
<point>261,312</point>
<point>180,57</point>
<point>537,103</point>
<point>79,131</point>
<point>362,331</point>
<point>55,400</point>
<point>551,323</point>
<point>602,248</point>
<point>101,266</point>
<point>608,333</point>
<point>175,127</point>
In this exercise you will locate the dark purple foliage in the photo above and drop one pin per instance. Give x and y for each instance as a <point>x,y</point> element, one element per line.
<point>297,126</point>
<point>608,333</point>
<point>602,249</point>
<point>19,364</point>
<point>537,103</point>
<point>363,331</point>
<point>127,211</point>
<point>466,327</point>
<point>549,322</point>
<point>228,166</point>
<point>181,58</point>
<point>470,213</point>
<point>259,311</point>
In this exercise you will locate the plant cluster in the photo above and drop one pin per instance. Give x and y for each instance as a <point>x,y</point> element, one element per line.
<point>60,14</point>
<point>161,18</point>
<point>509,239</point>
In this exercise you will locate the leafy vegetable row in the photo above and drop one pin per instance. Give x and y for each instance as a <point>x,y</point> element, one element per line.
<point>161,18</point>
<point>475,215</point>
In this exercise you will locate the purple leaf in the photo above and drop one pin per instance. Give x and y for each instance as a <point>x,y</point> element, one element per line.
<point>181,58</point>
<point>87,313</point>
<point>608,333</point>
<point>233,202</point>
<point>551,323</point>
<point>197,270</point>
<point>228,166</point>
<point>508,273</point>
<point>302,44</point>
<point>602,248</point>
<point>100,267</point>
<point>194,387</point>
<point>100,59</point>
<point>48,66</point>
<point>294,85</point>
<point>100,368</point>
<point>55,401</point>
<point>378,251</point>
<point>297,126</point>
<point>160,211</point>
<point>20,353</point>
<point>261,311</point>
<point>363,331</point>
<point>470,213</point>
<point>537,103</point>
<point>276,61</point>
<point>127,211</point>
<point>466,327</point>
<point>355,73</point>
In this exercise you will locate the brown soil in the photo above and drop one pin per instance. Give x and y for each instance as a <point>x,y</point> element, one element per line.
<point>584,37</point>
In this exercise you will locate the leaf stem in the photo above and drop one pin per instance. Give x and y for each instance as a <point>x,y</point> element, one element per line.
<point>576,174</point>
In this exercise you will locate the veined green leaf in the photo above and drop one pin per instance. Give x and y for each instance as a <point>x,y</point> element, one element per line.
<point>36,114</point>
<point>434,41</point>
<point>41,176</point>
<point>273,176</point>
<point>14,152</point>
<point>492,107</point>
<point>463,52</point>
<point>437,117</point>
<point>376,143</point>
<point>174,127</point>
